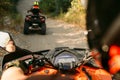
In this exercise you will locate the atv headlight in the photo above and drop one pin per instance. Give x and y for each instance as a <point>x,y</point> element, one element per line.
<point>65,62</point>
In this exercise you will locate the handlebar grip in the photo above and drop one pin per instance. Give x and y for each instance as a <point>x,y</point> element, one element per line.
<point>17,63</point>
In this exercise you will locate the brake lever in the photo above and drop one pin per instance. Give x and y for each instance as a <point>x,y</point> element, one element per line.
<point>85,59</point>
<point>43,52</point>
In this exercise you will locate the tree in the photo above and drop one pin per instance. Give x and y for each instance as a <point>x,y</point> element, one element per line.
<point>6,8</point>
<point>62,5</point>
<point>55,6</point>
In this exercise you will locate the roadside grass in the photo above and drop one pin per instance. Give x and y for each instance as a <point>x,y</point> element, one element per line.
<point>18,19</point>
<point>76,15</point>
<point>76,18</point>
<point>12,22</point>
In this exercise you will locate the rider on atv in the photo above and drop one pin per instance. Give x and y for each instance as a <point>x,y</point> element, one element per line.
<point>35,9</point>
<point>35,22</point>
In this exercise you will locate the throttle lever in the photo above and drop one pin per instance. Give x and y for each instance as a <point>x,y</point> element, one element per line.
<point>35,64</point>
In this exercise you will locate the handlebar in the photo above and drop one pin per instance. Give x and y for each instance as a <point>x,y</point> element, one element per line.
<point>62,58</point>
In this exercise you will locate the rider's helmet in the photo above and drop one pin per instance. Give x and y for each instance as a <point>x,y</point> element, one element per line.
<point>103,25</point>
<point>36,5</point>
<point>35,9</point>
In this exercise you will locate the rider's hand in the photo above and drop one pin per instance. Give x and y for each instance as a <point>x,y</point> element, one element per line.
<point>16,73</point>
<point>10,47</point>
<point>13,73</point>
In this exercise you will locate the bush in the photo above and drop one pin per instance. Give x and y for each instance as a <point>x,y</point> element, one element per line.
<point>7,8</point>
<point>54,6</point>
<point>47,6</point>
<point>76,14</point>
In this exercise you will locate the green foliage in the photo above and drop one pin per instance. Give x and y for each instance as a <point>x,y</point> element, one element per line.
<point>7,7</point>
<point>76,14</point>
<point>62,5</point>
<point>55,6</point>
<point>4,7</point>
<point>76,7</point>
<point>47,6</point>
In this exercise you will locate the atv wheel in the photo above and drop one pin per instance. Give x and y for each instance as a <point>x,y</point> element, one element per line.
<point>43,29</point>
<point>26,28</point>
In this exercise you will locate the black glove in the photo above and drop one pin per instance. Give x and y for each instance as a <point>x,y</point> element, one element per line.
<point>17,63</point>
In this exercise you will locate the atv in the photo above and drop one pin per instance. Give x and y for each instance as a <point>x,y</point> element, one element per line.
<point>35,23</point>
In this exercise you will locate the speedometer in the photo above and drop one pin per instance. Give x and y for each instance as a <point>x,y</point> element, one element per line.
<point>65,60</point>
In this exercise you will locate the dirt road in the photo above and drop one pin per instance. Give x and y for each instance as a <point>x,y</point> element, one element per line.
<point>58,33</point>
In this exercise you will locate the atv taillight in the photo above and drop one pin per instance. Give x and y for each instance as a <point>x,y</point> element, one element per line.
<point>43,19</point>
<point>27,18</point>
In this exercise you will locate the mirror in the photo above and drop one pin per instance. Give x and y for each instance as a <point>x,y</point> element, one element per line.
<point>4,39</point>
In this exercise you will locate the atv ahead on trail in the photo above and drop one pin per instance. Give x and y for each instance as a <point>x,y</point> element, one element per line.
<point>35,23</point>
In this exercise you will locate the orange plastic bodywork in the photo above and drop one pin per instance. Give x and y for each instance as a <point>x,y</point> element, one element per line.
<point>114,65</point>
<point>98,74</point>
<point>79,74</point>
